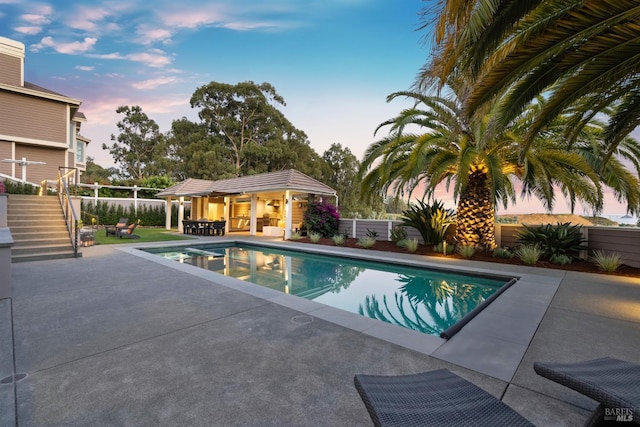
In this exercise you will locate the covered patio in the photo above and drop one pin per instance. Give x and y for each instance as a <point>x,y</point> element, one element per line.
<point>271,203</point>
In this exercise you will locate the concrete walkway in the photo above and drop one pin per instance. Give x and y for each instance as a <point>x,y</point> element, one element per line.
<point>120,337</point>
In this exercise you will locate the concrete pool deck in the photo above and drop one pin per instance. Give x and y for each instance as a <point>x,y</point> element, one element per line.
<point>121,337</point>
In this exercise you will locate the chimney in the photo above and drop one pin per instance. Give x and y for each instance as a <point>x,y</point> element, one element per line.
<point>11,62</point>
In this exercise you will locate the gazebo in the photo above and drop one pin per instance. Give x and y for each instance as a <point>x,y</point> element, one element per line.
<point>270,203</point>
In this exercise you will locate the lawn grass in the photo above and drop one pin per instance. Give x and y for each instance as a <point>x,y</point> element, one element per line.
<point>146,235</point>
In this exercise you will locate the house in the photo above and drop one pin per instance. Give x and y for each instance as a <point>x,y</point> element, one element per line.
<point>39,128</point>
<point>270,203</point>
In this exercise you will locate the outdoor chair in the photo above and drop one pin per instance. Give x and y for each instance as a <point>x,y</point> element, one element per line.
<point>614,383</point>
<point>112,230</point>
<point>218,228</point>
<point>127,233</point>
<point>435,398</point>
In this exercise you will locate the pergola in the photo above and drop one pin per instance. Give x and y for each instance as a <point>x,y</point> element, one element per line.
<point>269,202</point>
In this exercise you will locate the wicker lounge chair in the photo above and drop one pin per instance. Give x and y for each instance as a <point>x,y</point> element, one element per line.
<point>112,230</point>
<point>127,233</point>
<point>435,398</point>
<point>614,383</point>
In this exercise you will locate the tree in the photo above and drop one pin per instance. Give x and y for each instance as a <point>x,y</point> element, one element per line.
<point>194,153</point>
<point>245,119</point>
<point>138,144</point>
<point>453,149</point>
<point>342,176</point>
<point>95,173</point>
<point>582,55</point>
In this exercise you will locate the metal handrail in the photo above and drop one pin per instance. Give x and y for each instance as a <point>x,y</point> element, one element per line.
<point>70,216</point>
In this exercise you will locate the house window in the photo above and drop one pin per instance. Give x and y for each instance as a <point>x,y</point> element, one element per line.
<point>80,152</point>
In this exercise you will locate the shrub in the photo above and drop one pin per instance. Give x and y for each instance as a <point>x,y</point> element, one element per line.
<point>554,240</point>
<point>431,221</point>
<point>606,262</point>
<point>14,187</point>
<point>315,237</point>
<point>373,234</point>
<point>502,253</point>
<point>322,218</point>
<point>440,247</point>
<point>338,239</point>
<point>467,251</point>
<point>411,244</point>
<point>561,259</point>
<point>366,242</point>
<point>398,234</point>
<point>529,254</point>
<point>296,235</point>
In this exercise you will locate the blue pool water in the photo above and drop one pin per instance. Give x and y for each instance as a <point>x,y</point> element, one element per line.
<point>428,301</point>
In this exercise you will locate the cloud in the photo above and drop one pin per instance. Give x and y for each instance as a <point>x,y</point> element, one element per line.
<point>88,18</point>
<point>153,83</point>
<point>72,48</point>
<point>31,30</point>
<point>35,19</point>
<point>154,58</point>
<point>248,25</point>
<point>192,18</point>
<point>150,35</point>
<point>84,68</point>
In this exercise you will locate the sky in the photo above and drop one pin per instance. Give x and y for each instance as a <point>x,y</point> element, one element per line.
<point>333,61</point>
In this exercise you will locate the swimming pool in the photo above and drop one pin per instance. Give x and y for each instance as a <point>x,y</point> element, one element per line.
<point>424,300</point>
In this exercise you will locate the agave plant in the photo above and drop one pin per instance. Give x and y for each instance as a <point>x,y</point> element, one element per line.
<point>431,221</point>
<point>555,240</point>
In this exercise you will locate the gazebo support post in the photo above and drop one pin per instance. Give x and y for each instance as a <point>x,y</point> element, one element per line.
<point>167,215</point>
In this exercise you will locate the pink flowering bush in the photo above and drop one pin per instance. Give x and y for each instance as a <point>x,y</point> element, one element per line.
<point>322,218</point>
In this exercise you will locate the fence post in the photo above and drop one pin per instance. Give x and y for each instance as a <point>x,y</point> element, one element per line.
<point>95,194</point>
<point>135,199</point>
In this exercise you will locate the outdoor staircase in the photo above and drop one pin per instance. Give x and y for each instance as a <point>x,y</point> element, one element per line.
<point>38,228</point>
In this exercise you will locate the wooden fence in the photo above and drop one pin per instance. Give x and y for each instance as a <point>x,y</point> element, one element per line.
<point>622,240</point>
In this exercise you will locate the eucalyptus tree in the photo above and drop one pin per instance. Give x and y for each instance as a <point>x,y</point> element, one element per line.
<point>582,55</point>
<point>434,143</point>
<point>138,145</point>
<point>246,120</point>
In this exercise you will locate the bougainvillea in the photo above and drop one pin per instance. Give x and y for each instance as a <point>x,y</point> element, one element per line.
<point>321,217</point>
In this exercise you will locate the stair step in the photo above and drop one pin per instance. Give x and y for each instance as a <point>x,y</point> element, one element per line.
<point>40,249</point>
<point>40,235</point>
<point>38,228</point>
<point>34,243</point>
<point>45,256</point>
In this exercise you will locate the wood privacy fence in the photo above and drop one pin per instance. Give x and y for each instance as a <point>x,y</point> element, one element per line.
<point>624,241</point>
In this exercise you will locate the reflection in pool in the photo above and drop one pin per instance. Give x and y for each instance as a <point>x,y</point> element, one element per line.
<point>428,301</point>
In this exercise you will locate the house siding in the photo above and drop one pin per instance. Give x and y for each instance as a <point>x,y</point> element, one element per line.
<point>50,119</point>
<point>10,70</point>
<point>38,173</point>
<point>5,153</point>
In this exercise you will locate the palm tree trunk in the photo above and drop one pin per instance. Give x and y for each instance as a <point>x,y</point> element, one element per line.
<point>476,213</point>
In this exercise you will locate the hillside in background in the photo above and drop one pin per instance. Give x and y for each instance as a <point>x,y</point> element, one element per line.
<point>536,219</point>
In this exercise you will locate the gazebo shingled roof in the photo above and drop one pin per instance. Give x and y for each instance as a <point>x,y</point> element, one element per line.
<point>290,179</point>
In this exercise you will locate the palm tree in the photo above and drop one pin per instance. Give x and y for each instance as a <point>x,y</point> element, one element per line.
<point>452,148</point>
<point>580,54</point>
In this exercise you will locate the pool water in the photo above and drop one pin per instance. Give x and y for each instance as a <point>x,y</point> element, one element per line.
<point>428,301</point>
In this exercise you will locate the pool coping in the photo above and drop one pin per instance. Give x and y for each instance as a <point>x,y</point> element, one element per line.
<point>493,342</point>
